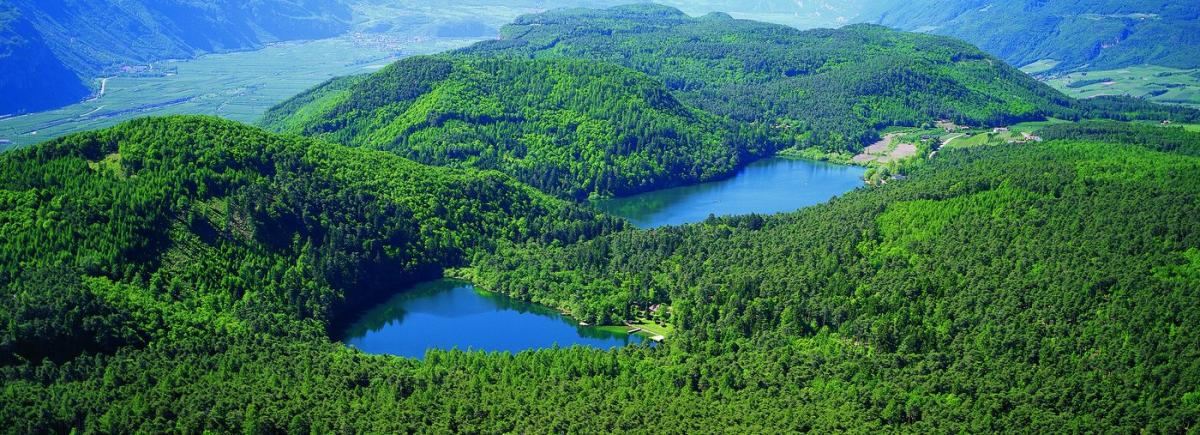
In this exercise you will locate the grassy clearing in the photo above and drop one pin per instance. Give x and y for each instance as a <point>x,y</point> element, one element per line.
<point>978,137</point>
<point>649,328</point>
<point>841,158</point>
<point>1040,66</point>
<point>1155,83</point>
<point>1030,127</point>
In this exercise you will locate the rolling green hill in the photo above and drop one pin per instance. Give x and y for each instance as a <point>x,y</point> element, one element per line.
<point>207,221</point>
<point>182,273</point>
<point>569,127</point>
<point>612,102</point>
<point>829,88</point>
<point>1047,286</point>
<point>90,38</point>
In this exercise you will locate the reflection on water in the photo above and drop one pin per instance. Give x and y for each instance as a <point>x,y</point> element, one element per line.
<point>768,186</point>
<point>451,314</point>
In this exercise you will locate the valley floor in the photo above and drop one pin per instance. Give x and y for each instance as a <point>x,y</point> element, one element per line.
<point>1154,83</point>
<point>240,86</point>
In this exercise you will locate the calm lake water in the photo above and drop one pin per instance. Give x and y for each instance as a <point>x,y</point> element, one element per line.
<point>451,314</point>
<point>768,186</point>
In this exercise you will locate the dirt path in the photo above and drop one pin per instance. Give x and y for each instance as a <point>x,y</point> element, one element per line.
<point>952,138</point>
<point>103,89</point>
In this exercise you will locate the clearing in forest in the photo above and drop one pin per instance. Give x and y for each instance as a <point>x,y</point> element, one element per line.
<point>886,150</point>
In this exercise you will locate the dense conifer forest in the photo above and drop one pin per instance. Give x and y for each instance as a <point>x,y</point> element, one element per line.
<point>1033,286</point>
<point>188,274</point>
<point>569,127</point>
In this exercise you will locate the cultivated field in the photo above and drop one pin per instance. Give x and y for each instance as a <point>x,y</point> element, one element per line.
<point>1155,83</point>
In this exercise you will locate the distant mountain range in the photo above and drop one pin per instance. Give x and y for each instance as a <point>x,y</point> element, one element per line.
<point>51,49</point>
<point>1097,34</point>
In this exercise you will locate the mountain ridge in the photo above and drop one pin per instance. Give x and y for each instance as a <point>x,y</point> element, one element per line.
<point>90,38</point>
<point>1096,34</point>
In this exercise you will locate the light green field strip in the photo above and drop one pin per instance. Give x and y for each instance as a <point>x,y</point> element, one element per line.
<point>1155,83</point>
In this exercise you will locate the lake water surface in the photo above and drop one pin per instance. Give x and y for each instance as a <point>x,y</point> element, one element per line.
<point>769,186</point>
<point>452,314</point>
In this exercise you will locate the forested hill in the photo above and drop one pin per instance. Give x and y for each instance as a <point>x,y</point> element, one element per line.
<point>585,102</point>
<point>1099,34</point>
<point>827,88</point>
<point>88,38</point>
<point>179,274</point>
<point>189,225</point>
<point>1049,287</point>
<point>569,127</point>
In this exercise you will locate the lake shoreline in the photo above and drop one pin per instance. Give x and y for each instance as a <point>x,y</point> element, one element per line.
<point>452,313</point>
<point>467,275</point>
<point>777,184</point>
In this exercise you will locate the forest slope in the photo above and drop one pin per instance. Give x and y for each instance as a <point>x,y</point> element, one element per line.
<point>170,217</point>
<point>829,88</point>
<point>569,127</point>
<point>1041,286</point>
<point>197,264</point>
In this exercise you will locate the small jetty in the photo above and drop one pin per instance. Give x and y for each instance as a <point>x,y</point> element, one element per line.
<point>634,331</point>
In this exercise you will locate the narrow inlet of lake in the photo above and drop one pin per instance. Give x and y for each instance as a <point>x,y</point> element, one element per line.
<point>769,186</point>
<point>451,314</point>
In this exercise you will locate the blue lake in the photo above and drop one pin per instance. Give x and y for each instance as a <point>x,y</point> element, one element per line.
<point>452,314</point>
<point>768,186</point>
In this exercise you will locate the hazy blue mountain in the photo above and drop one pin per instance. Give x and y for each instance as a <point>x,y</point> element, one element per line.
<point>52,48</point>
<point>1100,34</point>
<point>33,78</point>
<point>802,14</point>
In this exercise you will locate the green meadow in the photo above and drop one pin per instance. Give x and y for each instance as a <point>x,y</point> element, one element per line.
<point>1040,66</point>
